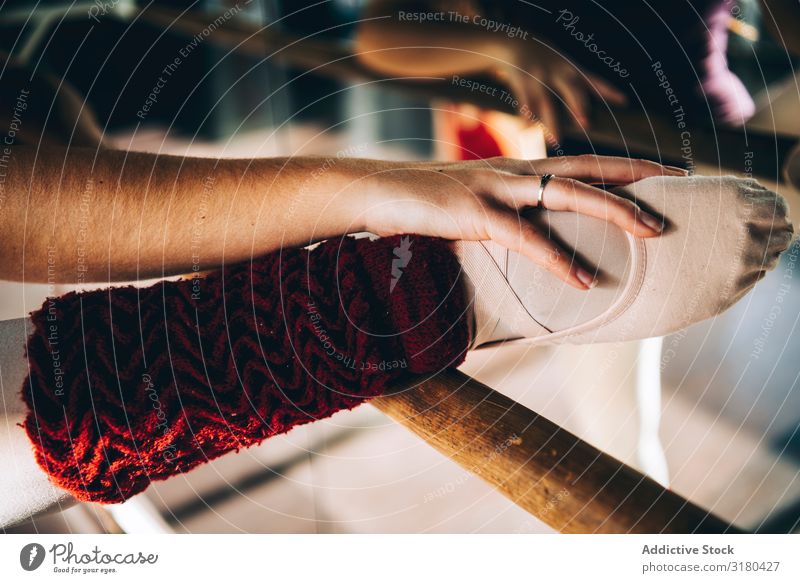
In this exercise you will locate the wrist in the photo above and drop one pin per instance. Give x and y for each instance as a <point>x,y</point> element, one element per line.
<point>335,194</point>
<point>372,184</point>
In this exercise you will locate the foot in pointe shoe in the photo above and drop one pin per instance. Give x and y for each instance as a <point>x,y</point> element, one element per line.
<point>720,237</point>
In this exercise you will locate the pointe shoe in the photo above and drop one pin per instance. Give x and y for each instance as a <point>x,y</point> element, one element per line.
<point>721,236</point>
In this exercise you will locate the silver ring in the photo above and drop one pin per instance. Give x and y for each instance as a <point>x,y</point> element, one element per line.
<point>542,183</point>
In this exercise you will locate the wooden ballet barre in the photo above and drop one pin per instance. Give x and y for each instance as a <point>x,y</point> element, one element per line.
<point>557,477</point>
<point>547,471</point>
<point>731,149</point>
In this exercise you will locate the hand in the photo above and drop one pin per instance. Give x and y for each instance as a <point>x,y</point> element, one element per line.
<point>538,79</point>
<point>482,200</point>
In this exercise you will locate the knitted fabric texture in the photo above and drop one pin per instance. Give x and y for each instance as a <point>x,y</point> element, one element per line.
<point>131,385</point>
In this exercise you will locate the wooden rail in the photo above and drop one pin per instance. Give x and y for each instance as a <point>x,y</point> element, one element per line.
<point>738,150</point>
<point>562,480</point>
<point>557,477</point>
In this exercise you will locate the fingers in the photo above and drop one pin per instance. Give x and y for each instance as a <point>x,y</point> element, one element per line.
<point>574,92</point>
<point>507,229</point>
<point>543,106</point>
<point>606,169</point>
<point>516,83</point>
<point>618,170</point>
<point>588,168</point>
<point>566,194</point>
<point>606,90</point>
<point>532,97</point>
<point>575,99</point>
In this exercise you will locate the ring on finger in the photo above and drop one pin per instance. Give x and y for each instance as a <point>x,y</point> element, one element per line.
<point>545,178</point>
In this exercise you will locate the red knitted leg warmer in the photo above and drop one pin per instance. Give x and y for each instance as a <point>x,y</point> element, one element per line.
<point>132,385</point>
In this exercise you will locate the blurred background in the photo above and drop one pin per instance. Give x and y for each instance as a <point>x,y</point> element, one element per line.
<point>247,87</point>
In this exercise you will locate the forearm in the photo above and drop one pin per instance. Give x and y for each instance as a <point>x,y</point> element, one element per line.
<point>396,46</point>
<point>83,215</point>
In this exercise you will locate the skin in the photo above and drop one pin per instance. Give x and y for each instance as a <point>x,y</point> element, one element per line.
<point>128,216</point>
<point>141,212</point>
<point>139,215</point>
<point>73,211</point>
<point>538,76</point>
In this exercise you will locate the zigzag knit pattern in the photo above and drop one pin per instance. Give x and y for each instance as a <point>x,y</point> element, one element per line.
<point>130,385</point>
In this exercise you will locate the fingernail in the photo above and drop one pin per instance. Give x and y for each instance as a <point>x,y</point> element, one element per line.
<point>585,277</point>
<point>651,221</point>
<point>681,171</point>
